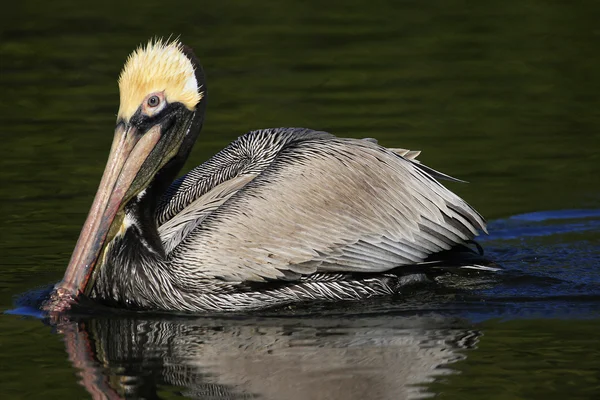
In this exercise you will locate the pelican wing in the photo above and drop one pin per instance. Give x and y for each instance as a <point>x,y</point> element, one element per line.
<point>325,204</point>
<point>173,231</point>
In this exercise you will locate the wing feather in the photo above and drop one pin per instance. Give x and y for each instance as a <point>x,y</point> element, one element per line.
<point>177,228</point>
<point>323,205</point>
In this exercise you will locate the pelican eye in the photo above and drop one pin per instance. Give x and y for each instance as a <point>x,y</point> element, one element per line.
<point>153,101</point>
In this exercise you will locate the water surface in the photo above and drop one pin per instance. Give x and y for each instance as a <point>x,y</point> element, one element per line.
<point>504,95</point>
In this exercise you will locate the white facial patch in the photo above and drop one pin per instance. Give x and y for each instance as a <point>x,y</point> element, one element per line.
<point>192,84</point>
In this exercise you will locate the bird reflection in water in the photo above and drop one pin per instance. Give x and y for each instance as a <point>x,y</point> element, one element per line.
<point>283,358</point>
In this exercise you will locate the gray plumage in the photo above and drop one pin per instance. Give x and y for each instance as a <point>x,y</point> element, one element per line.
<point>290,214</point>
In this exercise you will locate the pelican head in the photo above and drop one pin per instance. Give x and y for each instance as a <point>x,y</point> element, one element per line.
<point>161,110</point>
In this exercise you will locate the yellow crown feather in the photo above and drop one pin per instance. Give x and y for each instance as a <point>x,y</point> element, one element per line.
<point>159,66</point>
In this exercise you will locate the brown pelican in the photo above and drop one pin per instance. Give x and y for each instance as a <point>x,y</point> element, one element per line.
<point>278,216</point>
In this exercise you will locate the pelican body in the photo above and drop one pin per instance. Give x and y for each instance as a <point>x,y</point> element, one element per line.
<point>278,216</point>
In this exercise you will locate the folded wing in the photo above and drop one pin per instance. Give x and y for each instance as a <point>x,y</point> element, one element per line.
<point>321,205</point>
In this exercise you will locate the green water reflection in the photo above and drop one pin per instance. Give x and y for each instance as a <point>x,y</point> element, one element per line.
<point>503,94</point>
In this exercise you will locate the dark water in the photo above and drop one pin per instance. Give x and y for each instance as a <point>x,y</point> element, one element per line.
<point>503,94</point>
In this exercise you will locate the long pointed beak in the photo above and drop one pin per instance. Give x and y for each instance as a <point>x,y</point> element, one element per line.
<point>127,155</point>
